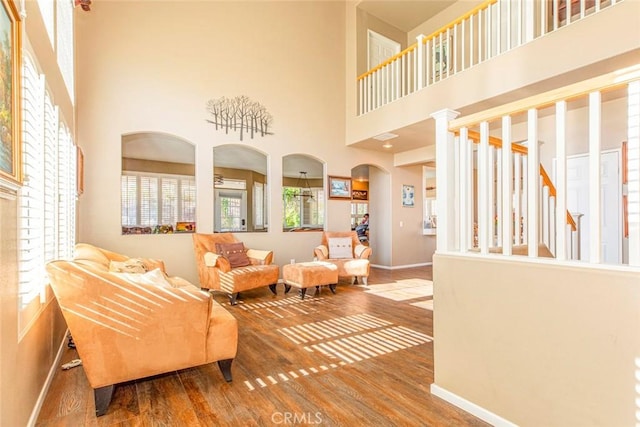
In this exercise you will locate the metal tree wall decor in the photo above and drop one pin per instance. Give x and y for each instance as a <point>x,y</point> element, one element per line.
<point>240,114</point>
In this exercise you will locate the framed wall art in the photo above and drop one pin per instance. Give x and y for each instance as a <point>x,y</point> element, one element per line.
<point>10,46</point>
<point>408,196</point>
<point>340,187</point>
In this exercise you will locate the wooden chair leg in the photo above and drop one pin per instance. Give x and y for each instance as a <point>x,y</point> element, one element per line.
<point>225,368</point>
<point>233,297</point>
<point>102,397</point>
<point>272,287</point>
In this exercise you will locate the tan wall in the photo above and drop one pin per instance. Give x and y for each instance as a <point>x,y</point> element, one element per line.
<point>289,56</point>
<point>536,343</point>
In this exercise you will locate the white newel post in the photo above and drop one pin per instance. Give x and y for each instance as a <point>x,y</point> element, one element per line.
<point>533,183</point>
<point>445,179</point>
<point>633,167</point>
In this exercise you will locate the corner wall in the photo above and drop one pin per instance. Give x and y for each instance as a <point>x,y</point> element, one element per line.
<point>538,343</point>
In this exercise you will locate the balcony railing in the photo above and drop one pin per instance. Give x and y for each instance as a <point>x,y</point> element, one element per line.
<point>490,29</point>
<point>475,187</point>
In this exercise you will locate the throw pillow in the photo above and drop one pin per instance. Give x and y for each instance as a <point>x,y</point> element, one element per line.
<point>235,253</point>
<point>132,265</point>
<point>340,247</point>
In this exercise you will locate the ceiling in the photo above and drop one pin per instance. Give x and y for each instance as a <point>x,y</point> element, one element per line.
<point>159,147</point>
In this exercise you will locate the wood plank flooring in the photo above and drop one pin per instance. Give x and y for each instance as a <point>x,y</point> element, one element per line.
<point>363,356</point>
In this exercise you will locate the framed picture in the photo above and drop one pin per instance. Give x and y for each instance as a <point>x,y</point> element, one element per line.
<point>79,171</point>
<point>10,46</point>
<point>340,187</point>
<point>408,196</point>
<point>359,195</point>
<point>440,55</point>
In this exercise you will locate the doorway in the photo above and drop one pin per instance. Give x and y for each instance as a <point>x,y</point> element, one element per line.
<point>611,203</point>
<point>380,49</point>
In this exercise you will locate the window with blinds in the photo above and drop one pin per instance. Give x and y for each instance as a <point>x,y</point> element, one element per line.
<point>150,200</point>
<point>47,198</point>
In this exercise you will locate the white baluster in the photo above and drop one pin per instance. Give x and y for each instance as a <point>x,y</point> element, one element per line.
<point>464,45</point>
<point>552,225</point>
<point>472,41</point>
<point>524,200</point>
<point>507,188</point>
<point>517,180</point>
<point>595,232</point>
<point>633,168</point>
<point>533,166</point>
<point>546,213</point>
<point>561,178</point>
<point>420,41</point>
<point>484,207</point>
<point>448,51</point>
<point>491,194</point>
<point>466,192</point>
<point>499,193</point>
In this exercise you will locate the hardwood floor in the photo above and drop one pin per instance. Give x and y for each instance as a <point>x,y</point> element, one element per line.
<point>363,356</point>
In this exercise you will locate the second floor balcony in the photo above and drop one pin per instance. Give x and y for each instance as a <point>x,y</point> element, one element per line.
<point>495,52</point>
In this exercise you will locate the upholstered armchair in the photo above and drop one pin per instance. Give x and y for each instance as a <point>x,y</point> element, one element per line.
<point>224,264</point>
<point>128,325</point>
<point>343,248</point>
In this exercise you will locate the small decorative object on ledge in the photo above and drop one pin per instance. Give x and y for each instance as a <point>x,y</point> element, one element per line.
<point>240,114</point>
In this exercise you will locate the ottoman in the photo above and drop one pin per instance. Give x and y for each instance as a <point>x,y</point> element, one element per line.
<point>305,274</point>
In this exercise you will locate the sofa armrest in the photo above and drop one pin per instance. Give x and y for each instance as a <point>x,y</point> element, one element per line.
<point>217,261</point>
<point>362,252</point>
<point>259,257</point>
<point>321,252</point>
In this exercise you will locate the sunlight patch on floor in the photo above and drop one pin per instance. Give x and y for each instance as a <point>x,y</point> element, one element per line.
<point>403,289</point>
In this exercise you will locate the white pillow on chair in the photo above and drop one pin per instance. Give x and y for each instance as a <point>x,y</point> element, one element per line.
<point>340,247</point>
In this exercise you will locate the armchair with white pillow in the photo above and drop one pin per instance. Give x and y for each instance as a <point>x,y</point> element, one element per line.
<point>343,248</point>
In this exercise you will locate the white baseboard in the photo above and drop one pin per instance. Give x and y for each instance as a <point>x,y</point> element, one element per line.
<point>398,267</point>
<point>470,407</point>
<point>45,388</point>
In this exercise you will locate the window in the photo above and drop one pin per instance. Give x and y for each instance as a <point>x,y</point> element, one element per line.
<point>303,208</point>
<point>150,200</point>
<point>357,213</point>
<point>64,43</point>
<point>259,204</point>
<point>47,198</point>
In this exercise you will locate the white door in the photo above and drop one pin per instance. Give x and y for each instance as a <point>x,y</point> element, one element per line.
<point>381,48</point>
<point>230,210</point>
<point>611,206</point>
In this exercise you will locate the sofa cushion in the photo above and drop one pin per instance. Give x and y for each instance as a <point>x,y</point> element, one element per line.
<point>154,277</point>
<point>340,247</point>
<point>235,253</point>
<point>132,265</point>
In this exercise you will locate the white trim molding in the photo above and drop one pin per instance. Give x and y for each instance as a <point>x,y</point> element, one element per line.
<point>470,407</point>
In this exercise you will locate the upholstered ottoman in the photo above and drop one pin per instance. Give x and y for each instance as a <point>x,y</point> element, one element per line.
<point>305,274</point>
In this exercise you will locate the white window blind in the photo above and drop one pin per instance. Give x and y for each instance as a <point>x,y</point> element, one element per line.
<point>258,205</point>
<point>50,177</point>
<point>47,198</point>
<point>66,193</point>
<point>148,199</point>
<point>31,197</point>
<point>188,200</point>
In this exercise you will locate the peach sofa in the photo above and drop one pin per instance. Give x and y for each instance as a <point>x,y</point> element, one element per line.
<point>131,325</point>
<point>343,248</point>
<point>216,270</point>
